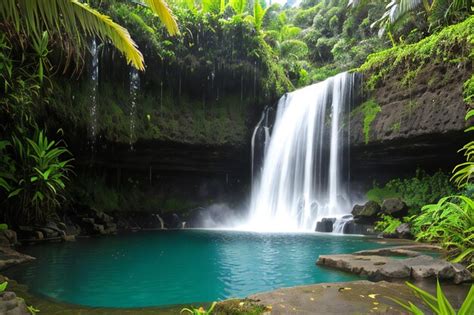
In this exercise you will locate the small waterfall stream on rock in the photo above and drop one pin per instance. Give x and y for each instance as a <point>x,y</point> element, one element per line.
<point>94,89</point>
<point>134,87</point>
<point>304,175</point>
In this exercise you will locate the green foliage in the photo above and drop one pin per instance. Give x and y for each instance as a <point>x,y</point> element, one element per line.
<point>387,224</point>
<point>451,223</point>
<point>199,311</point>
<point>416,191</point>
<point>456,40</point>
<point>32,309</point>
<point>322,73</point>
<point>369,111</point>
<point>239,6</point>
<point>3,286</point>
<point>469,91</point>
<point>438,304</point>
<point>39,179</point>
<point>66,17</point>
<point>102,194</point>
<point>3,226</point>
<point>464,172</point>
<point>434,14</point>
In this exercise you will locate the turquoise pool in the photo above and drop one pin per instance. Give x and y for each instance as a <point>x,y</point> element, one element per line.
<point>175,267</point>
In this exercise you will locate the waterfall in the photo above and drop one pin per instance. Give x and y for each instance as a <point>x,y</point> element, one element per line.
<point>303,178</point>
<point>259,143</point>
<point>134,86</point>
<point>93,96</point>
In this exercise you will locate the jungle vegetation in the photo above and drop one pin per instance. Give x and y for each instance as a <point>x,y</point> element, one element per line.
<point>214,61</point>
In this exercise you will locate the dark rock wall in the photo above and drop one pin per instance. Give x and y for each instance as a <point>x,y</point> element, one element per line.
<point>420,124</point>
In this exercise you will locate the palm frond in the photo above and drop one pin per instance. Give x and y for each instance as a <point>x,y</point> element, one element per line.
<point>71,17</point>
<point>160,8</point>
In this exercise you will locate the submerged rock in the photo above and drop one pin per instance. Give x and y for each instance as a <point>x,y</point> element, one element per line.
<point>325,225</point>
<point>353,227</point>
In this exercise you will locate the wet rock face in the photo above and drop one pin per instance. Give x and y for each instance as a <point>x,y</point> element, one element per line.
<point>430,104</point>
<point>421,123</point>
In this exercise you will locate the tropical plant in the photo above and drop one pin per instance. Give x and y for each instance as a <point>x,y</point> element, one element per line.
<point>6,166</point>
<point>387,224</point>
<point>40,177</point>
<point>199,311</point>
<point>438,304</point>
<point>73,22</point>
<point>436,13</point>
<point>239,6</point>
<point>3,286</point>
<point>213,6</point>
<point>259,13</point>
<point>464,172</point>
<point>451,223</point>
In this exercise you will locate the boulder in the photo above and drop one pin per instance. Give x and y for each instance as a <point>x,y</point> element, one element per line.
<point>461,274</point>
<point>366,212</point>
<point>48,233</point>
<point>353,227</point>
<point>424,266</point>
<point>404,231</point>
<point>99,229</point>
<point>325,225</point>
<point>103,217</point>
<point>88,220</point>
<point>10,304</point>
<point>8,238</point>
<point>9,257</point>
<point>395,207</point>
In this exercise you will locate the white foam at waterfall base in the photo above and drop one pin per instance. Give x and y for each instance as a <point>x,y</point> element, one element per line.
<point>302,179</point>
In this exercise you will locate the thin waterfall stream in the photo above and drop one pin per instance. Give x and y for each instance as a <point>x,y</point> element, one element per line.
<point>304,176</point>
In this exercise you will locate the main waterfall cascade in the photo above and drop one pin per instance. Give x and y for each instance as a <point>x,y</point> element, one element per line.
<point>304,176</point>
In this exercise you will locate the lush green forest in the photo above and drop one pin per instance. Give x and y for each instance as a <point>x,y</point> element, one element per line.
<point>82,82</point>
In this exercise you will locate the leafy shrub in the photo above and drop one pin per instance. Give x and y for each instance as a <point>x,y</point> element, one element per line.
<point>451,223</point>
<point>464,172</point>
<point>438,304</point>
<point>38,183</point>
<point>416,191</point>
<point>387,224</point>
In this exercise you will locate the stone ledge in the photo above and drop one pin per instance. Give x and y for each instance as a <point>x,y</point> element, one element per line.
<point>10,257</point>
<point>378,266</point>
